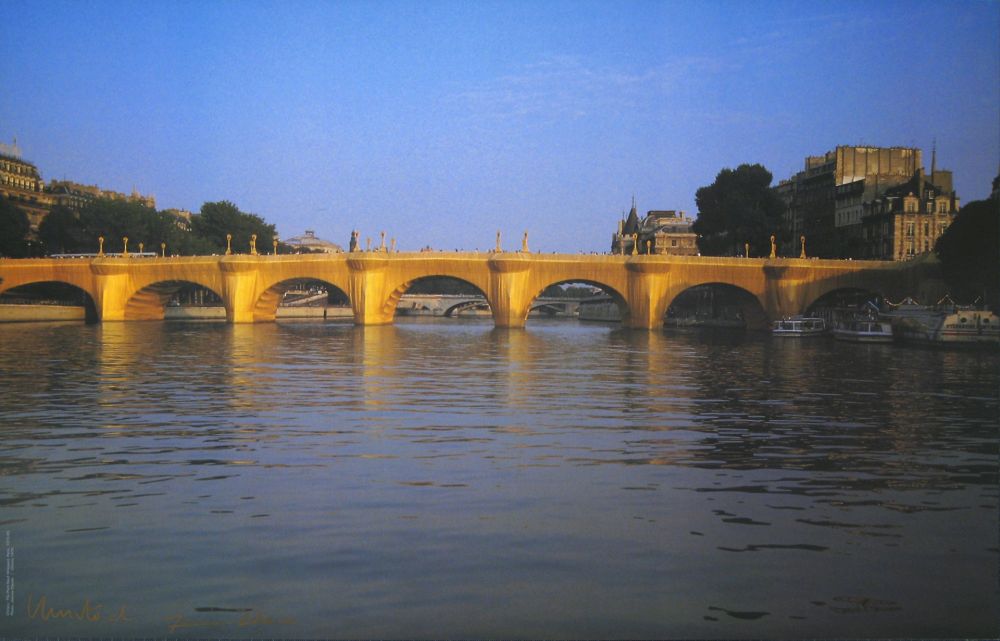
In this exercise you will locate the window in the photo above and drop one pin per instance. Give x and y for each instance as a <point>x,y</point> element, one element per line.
<point>673,242</point>
<point>927,229</point>
<point>909,229</point>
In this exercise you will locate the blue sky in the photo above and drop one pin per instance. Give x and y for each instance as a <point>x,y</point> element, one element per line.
<point>442,122</point>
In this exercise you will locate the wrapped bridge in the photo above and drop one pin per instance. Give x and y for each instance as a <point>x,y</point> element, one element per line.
<point>251,286</point>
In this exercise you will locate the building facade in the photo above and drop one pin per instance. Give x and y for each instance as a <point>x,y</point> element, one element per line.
<point>828,199</point>
<point>907,220</point>
<point>21,184</point>
<point>74,195</point>
<point>660,232</point>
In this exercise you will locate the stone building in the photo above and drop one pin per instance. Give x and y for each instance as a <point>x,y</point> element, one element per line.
<point>660,232</point>
<point>74,195</point>
<point>908,219</point>
<point>826,201</point>
<point>21,183</point>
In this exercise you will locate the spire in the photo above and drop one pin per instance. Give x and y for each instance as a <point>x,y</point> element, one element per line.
<point>933,159</point>
<point>632,223</point>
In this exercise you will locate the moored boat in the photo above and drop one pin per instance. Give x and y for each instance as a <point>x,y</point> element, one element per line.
<point>945,323</point>
<point>864,331</point>
<point>799,326</point>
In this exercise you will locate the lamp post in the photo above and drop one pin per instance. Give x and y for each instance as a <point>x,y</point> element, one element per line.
<point>100,248</point>
<point>229,242</point>
<point>125,245</point>
<point>275,244</point>
<point>163,250</point>
<point>253,244</point>
<point>802,239</point>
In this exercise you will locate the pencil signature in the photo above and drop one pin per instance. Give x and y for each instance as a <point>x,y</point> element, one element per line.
<point>89,612</point>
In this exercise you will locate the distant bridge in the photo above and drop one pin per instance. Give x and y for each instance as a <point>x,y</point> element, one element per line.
<point>251,287</point>
<point>449,305</point>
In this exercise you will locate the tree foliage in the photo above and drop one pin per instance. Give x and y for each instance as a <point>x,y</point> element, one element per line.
<point>739,207</point>
<point>220,218</point>
<point>61,231</point>
<point>969,251</point>
<point>64,230</point>
<point>14,227</point>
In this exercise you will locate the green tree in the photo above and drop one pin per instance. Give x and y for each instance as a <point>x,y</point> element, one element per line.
<point>220,218</point>
<point>61,232</point>
<point>969,251</point>
<point>739,207</point>
<point>118,219</point>
<point>14,228</point>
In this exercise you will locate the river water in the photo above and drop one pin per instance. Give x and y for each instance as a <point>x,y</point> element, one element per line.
<point>446,479</point>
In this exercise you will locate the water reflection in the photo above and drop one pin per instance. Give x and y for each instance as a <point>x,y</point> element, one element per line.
<point>453,479</point>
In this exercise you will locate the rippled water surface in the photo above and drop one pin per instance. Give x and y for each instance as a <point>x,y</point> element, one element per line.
<point>446,479</point>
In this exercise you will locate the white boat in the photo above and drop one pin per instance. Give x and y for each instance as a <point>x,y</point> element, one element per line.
<point>945,323</point>
<point>864,331</point>
<point>799,326</point>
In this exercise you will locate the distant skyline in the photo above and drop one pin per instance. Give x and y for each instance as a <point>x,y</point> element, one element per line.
<point>442,122</point>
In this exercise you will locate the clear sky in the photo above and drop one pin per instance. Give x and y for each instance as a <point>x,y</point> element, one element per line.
<point>442,122</point>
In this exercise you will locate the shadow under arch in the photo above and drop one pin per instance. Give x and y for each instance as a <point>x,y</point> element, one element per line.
<point>842,301</point>
<point>308,292</point>
<point>604,305</point>
<point>713,304</point>
<point>455,295</point>
<point>48,300</point>
<point>150,302</point>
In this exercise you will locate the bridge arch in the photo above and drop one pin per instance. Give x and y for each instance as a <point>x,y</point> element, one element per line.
<point>44,292</point>
<point>149,302</point>
<point>837,303</point>
<point>844,296</point>
<point>712,303</point>
<point>616,297</point>
<point>266,306</point>
<point>458,308</point>
<point>52,271</point>
<point>453,284</point>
